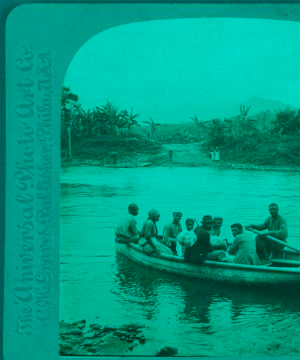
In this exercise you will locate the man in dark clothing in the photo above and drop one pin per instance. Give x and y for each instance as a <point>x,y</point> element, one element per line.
<point>202,249</point>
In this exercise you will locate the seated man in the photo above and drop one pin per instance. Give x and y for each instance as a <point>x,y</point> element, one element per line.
<point>217,242</point>
<point>171,232</point>
<point>202,249</point>
<point>186,238</point>
<point>148,241</point>
<point>126,232</point>
<point>243,248</point>
<point>276,227</point>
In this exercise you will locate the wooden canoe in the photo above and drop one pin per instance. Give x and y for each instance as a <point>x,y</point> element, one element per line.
<point>277,272</point>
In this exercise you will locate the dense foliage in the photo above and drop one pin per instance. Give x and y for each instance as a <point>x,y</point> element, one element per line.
<point>269,137</point>
<point>78,124</point>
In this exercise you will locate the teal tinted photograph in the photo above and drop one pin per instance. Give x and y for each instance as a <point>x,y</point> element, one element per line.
<point>180,160</point>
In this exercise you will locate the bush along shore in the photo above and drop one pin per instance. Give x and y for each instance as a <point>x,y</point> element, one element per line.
<point>79,339</point>
<point>133,152</point>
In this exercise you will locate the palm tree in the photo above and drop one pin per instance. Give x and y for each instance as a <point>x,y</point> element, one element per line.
<point>153,126</point>
<point>246,125</point>
<point>244,111</point>
<point>198,124</point>
<point>132,120</point>
<point>122,121</point>
<point>111,114</point>
<point>84,120</point>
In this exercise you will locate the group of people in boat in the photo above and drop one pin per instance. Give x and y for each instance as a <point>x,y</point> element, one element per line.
<point>197,243</point>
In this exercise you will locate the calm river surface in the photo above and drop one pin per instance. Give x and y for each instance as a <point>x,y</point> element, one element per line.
<point>198,318</point>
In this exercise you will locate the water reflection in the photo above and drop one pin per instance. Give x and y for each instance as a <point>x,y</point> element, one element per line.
<point>214,311</point>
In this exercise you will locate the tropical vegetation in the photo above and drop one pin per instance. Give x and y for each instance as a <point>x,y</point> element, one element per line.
<point>268,137</point>
<point>78,124</point>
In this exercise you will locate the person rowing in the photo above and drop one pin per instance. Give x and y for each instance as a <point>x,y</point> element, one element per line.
<point>276,227</point>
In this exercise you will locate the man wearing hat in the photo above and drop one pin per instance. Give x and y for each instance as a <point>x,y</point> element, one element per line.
<point>148,241</point>
<point>202,249</point>
<point>171,232</point>
<point>126,232</point>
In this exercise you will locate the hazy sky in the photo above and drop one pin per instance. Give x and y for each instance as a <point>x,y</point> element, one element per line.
<point>172,69</point>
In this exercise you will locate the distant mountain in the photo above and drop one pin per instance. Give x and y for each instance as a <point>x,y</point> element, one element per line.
<point>259,104</point>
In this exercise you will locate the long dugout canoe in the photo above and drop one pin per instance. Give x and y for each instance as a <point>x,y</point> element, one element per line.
<point>276,272</point>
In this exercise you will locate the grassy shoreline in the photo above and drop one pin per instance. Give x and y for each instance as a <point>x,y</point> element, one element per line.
<point>132,152</point>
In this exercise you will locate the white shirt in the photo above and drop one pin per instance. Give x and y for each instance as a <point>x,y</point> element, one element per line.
<point>185,239</point>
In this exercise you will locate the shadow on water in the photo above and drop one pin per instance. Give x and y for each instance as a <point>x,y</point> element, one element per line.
<point>199,296</point>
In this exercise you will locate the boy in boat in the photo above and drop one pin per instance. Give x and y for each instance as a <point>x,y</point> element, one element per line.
<point>186,238</point>
<point>243,247</point>
<point>217,242</point>
<point>148,241</point>
<point>126,232</point>
<point>276,226</point>
<point>202,249</point>
<point>171,232</point>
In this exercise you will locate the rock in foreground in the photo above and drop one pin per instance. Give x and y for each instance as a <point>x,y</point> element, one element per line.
<point>79,339</point>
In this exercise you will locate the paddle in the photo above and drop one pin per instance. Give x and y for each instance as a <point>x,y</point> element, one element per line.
<point>274,239</point>
<point>196,222</point>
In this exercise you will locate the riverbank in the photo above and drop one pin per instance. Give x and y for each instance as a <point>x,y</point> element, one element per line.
<point>133,152</point>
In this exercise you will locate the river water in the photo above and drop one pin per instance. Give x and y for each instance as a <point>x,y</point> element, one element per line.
<point>198,318</point>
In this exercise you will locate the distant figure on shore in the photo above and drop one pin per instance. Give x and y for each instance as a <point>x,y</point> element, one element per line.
<point>276,227</point>
<point>171,232</point>
<point>243,248</point>
<point>217,154</point>
<point>148,241</point>
<point>186,238</point>
<point>171,153</point>
<point>114,158</point>
<point>126,232</point>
